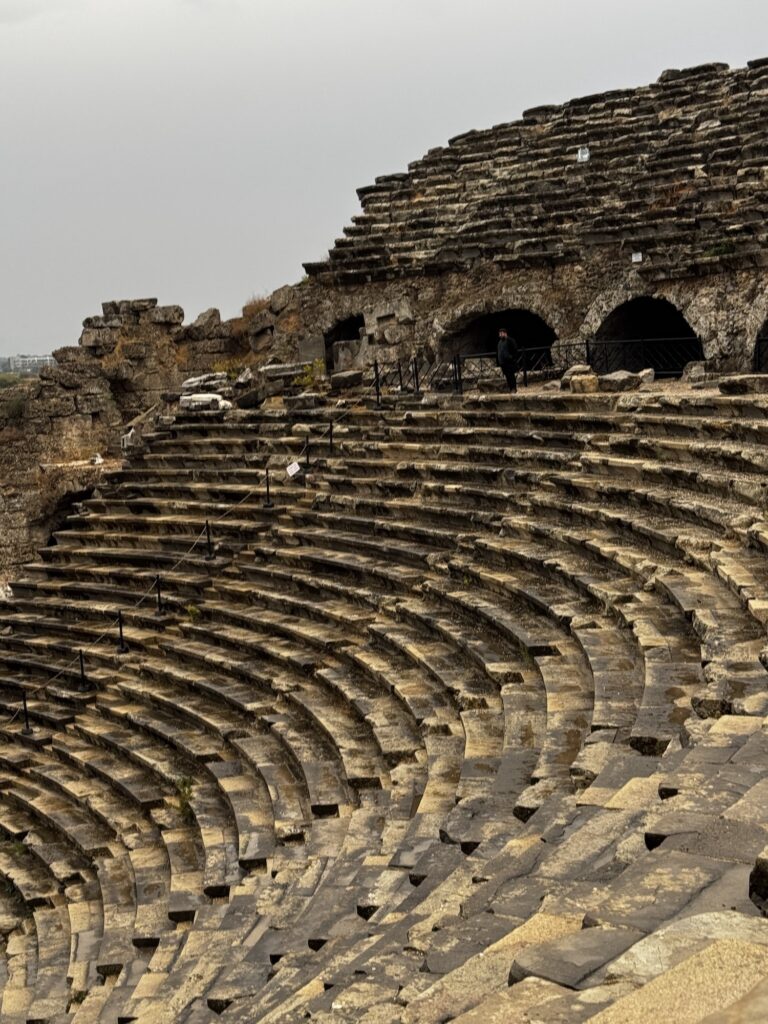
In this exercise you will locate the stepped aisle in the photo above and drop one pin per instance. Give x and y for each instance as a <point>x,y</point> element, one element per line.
<point>468,722</point>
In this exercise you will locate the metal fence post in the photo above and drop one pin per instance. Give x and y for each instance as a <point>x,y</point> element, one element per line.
<point>122,647</point>
<point>268,499</point>
<point>83,680</point>
<point>416,388</point>
<point>27,730</point>
<point>589,356</point>
<point>400,374</point>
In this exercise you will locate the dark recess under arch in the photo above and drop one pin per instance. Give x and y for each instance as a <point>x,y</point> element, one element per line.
<point>480,335</point>
<point>347,329</point>
<point>645,332</point>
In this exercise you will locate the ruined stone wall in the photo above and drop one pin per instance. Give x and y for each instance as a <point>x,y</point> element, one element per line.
<point>51,430</point>
<point>145,351</point>
<point>131,358</point>
<point>726,311</point>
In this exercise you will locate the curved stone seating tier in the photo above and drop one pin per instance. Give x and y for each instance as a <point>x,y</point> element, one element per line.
<point>381,526</point>
<point>471,714</point>
<point>509,192</point>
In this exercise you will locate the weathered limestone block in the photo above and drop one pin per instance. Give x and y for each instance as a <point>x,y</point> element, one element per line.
<point>280,299</point>
<point>744,384</point>
<point>486,972</point>
<point>675,942</point>
<point>170,315</point>
<point>135,306</point>
<point>204,325</point>
<point>707,981</point>
<point>212,347</point>
<point>577,370</point>
<point>135,349</point>
<point>311,348</point>
<point>57,404</point>
<point>261,343</point>
<point>694,371</point>
<point>348,354</point>
<point>244,379</point>
<point>346,379</point>
<point>85,403</point>
<point>211,382</point>
<point>620,380</point>
<point>203,400</point>
<point>260,320</point>
<point>69,378</point>
<point>104,338</point>
<point>98,322</point>
<point>584,384</point>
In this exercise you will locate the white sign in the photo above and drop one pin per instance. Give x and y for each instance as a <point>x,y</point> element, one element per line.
<point>293,469</point>
<point>583,155</point>
<point>637,257</point>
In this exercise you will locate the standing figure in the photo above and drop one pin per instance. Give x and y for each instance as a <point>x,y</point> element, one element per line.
<point>506,357</point>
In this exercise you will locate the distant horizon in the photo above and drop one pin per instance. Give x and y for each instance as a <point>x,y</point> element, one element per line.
<point>201,150</point>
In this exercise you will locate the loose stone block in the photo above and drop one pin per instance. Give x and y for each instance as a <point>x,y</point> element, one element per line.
<point>620,380</point>
<point>711,980</point>
<point>584,384</point>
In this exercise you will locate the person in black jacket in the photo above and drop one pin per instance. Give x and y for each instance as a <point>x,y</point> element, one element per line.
<point>506,357</point>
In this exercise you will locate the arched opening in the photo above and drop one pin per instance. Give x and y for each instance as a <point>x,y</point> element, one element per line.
<point>645,332</point>
<point>347,330</point>
<point>761,350</point>
<point>480,336</point>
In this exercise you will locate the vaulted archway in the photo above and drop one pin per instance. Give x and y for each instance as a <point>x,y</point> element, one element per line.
<point>479,335</point>
<point>645,332</point>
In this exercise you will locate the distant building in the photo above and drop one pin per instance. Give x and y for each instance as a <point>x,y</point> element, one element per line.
<point>26,364</point>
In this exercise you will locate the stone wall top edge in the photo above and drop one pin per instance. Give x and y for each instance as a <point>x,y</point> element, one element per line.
<point>545,112</point>
<point>612,113</point>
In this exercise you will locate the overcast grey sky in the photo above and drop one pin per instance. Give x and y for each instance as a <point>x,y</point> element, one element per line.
<point>200,150</point>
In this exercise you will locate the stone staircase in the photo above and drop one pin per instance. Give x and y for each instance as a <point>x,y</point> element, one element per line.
<point>468,724</point>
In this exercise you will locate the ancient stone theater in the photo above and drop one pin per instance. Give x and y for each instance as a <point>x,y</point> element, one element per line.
<point>339,682</point>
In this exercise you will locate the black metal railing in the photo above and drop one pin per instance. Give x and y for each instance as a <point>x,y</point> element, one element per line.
<point>480,370</point>
<point>411,376</point>
<point>545,362</point>
<point>665,356</point>
<point>477,370</point>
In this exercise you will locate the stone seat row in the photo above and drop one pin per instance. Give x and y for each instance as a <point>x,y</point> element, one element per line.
<point>488,624</point>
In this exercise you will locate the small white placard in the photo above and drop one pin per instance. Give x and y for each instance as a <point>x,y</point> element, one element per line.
<point>293,469</point>
<point>583,155</point>
<point>637,257</point>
